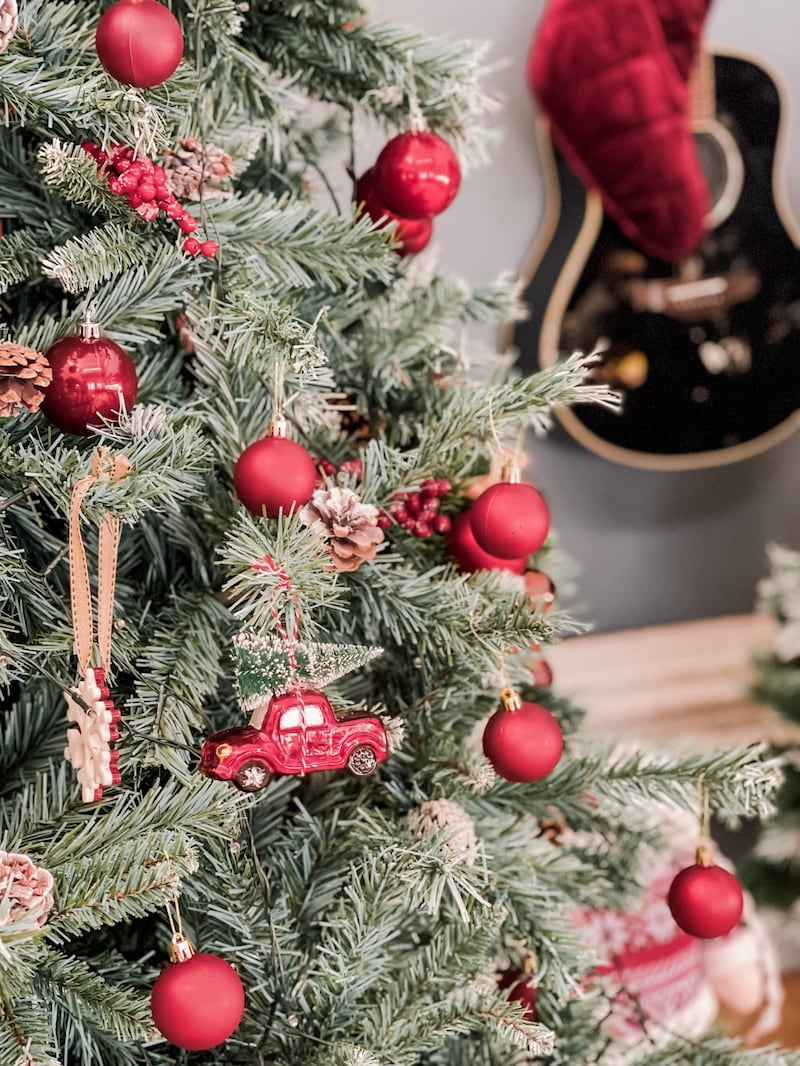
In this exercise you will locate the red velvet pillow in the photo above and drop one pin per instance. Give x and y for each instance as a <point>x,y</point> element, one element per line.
<point>611,78</point>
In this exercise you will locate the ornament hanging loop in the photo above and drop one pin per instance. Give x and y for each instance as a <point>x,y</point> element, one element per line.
<point>510,698</point>
<point>705,853</point>
<point>105,467</point>
<point>180,948</point>
<point>416,120</point>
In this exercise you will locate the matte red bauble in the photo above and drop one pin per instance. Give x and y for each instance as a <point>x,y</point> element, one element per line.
<point>93,380</point>
<point>139,42</point>
<point>510,520</point>
<point>522,740</point>
<point>197,1002</point>
<point>274,474</point>
<point>413,233</point>
<point>705,900</point>
<point>464,549</point>
<point>418,174</point>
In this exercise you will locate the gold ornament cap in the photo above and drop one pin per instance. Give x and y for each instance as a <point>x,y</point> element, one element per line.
<point>180,949</point>
<point>510,699</point>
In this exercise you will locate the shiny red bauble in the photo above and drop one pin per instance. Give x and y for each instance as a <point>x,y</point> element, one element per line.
<point>706,901</point>
<point>413,233</point>
<point>464,549</point>
<point>510,520</point>
<point>197,1003</point>
<point>274,474</point>
<point>139,42</point>
<point>523,744</point>
<point>417,174</point>
<point>93,380</point>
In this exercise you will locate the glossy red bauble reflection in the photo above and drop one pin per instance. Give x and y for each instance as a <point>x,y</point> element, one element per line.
<point>413,233</point>
<point>197,1003</point>
<point>465,550</point>
<point>139,42</point>
<point>706,901</point>
<point>417,174</point>
<point>93,380</point>
<point>510,520</point>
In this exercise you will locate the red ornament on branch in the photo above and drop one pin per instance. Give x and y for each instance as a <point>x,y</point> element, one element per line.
<point>93,379</point>
<point>510,519</point>
<point>470,556</point>
<point>139,42</point>
<point>522,740</point>
<point>417,174</point>
<point>274,474</point>
<point>705,900</point>
<point>413,233</point>
<point>198,1000</point>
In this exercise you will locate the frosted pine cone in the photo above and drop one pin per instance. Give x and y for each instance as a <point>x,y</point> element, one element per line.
<point>194,165</point>
<point>24,373</point>
<point>460,843</point>
<point>25,889</point>
<point>348,526</point>
<point>8,22</point>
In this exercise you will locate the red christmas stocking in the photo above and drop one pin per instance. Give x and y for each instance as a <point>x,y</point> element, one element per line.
<point>610,76</point>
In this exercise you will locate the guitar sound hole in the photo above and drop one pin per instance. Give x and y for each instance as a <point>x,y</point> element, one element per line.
<point>723,169</point>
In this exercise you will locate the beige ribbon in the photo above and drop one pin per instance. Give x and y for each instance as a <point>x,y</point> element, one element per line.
<point>105,467</point>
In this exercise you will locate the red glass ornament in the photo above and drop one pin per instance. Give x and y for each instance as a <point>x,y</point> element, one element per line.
<point>274,474</point>
<point>417,174</point>
<point>198,1000</point>
<point>139,42</point>
<point>705,900</point>
<point>522,740</point>
<point>93,380</point>
<point>413,233</point>
<point>465,550</point>
<point>296,732</point>
<point>510,519</point>
<point>522,989</point>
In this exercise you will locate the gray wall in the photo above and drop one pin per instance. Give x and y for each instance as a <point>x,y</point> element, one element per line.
<point>651,547</point>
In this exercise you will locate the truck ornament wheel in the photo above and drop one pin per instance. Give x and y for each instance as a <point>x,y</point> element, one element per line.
<point>362,761</point>
<point>251,777</point>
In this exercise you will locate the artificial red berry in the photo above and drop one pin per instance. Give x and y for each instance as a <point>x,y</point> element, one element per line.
<point>90,146</point>
<point>148,211</point>
<point>187,223</point>
<point>129,180</point>
<point>353,467</point>
<point>146,191</point>
<point>430,506</point>
<point>175,211</point>
<point>159,174</point>
<point>441,523</point>
<point>383,521</point>
<point>191,245</point>
<point>114,185</point>
<point>443,486</point>
<point>209,249</point>
<point>134,199</point>
<point>422,529</point>
<point>101,158</point>
<point>414,504</point>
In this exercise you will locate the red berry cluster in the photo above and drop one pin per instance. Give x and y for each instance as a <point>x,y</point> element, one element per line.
<point>418,512</point>
<point>350,467</point>
<point>144,186</point>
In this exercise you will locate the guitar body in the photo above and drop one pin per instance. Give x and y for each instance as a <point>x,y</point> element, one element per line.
<point>705,352</point>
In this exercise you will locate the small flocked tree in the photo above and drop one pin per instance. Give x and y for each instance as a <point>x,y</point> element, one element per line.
<point>181,271</point>
<point>772,870</point>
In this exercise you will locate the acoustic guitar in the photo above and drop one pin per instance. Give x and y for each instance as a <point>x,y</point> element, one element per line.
<point>705,352</point>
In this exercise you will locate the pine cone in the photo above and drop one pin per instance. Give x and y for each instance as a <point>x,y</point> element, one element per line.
<point>24,373</point>
<point>8,22</point>
<point>194,165</point>
<point>24,889</point>
<point>348,526</point>
<point>460,842</point>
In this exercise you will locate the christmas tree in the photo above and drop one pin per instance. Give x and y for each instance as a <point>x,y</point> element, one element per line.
<point>771,869</point>
<point>245,470</point>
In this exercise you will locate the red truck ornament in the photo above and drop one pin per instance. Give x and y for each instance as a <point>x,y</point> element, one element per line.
<point>296,732</point>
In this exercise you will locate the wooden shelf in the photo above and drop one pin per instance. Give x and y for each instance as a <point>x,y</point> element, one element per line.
<point>685,682</point>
